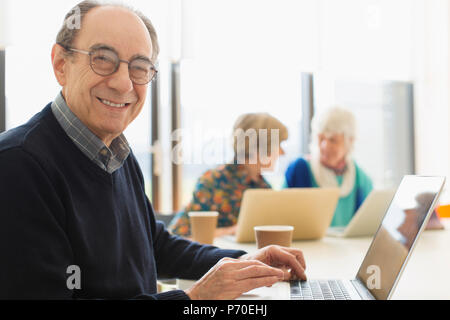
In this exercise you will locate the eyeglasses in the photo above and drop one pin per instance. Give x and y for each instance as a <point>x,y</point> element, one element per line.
<point>105,62</point>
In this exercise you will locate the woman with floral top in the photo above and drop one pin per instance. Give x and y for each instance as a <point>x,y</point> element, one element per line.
<point>257,138</point>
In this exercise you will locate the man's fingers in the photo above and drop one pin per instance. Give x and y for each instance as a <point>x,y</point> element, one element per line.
<point>293,260</point>
<point>258,271</point>
<point>298,255</point>
<point>297,268</point>
<point>229,264</point>
<point>287,273</point>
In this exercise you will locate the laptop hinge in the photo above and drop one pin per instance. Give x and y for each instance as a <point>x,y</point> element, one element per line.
<point>362,290</point>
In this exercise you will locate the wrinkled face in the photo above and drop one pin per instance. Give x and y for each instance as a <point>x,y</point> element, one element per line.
<point>333,149</point>
<point>106,105</point>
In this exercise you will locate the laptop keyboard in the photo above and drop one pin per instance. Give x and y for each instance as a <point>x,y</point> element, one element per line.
<point>319,290</point>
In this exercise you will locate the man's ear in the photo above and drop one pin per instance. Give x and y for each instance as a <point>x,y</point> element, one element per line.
<point>59,61</point>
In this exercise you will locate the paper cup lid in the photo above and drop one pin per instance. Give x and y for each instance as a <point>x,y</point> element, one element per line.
<point>203,214</point>
<point>274,228</point>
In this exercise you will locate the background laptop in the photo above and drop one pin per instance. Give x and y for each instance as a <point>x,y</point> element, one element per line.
<point>308,210</point>
<point>367,219</point>
<point>389,252</point>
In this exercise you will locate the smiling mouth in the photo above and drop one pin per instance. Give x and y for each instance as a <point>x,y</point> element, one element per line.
<point>112,104</point>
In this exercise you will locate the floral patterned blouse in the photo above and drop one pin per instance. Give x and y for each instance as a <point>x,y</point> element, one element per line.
<point>221,190</point>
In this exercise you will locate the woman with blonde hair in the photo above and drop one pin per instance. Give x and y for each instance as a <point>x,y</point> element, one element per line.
<point>256,143</point>
<point>331,164</point>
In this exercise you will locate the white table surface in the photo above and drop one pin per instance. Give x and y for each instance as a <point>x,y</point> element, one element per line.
<point>426,276</point>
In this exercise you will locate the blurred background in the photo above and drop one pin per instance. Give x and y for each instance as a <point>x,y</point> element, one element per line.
<point>388,61</point>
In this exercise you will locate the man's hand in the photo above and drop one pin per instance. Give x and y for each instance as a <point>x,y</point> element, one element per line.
<point>230,278</point>
<point>290,260</point>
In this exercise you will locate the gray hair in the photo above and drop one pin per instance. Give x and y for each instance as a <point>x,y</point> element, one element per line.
<point>68,33</point>
<point>333,121</point>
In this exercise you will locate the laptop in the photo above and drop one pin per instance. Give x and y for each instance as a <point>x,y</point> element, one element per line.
<point>387,256</point>
<point>367,219</point>
<point>308,210</point>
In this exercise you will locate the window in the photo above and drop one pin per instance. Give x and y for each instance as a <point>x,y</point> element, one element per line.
<point>241,57</point>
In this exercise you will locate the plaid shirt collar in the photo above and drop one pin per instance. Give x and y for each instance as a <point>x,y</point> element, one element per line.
<point>109,159</point>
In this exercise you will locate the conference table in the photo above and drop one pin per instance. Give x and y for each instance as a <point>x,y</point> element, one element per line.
<point>426,276</point>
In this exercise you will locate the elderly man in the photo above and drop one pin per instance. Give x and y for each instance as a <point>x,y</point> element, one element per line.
<point>72,193</point>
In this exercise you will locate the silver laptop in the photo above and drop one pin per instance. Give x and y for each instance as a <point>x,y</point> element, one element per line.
<point>367,219</point>
<point>390,250</point>
<point>308,210</point>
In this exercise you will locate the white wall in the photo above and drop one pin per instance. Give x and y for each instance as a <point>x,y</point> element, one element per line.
<point>367,38</point>
<point>405,40</point>
<point>431,76</point>
<point>3,23</point>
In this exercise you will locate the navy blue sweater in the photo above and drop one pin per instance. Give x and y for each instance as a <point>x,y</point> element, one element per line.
<point>59,209</point>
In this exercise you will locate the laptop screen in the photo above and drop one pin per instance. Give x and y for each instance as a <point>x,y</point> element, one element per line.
<point>414,200</point>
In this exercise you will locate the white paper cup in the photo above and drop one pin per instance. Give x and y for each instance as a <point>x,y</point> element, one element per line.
<point>273,235</point>
<point>203,226</point>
